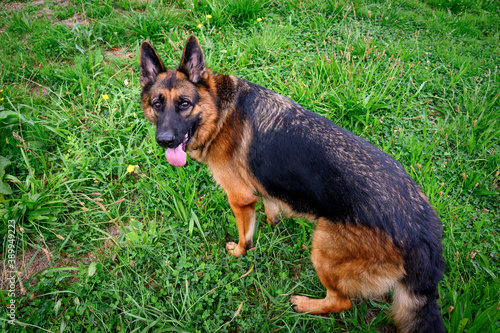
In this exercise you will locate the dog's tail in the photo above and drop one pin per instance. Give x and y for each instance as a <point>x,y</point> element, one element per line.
<point>416,313</point>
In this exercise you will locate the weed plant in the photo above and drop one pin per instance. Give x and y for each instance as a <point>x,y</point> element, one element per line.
<point>137,245</point>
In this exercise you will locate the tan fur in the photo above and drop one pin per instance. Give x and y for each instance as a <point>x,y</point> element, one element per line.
<point>229,166</point>
<point>356,260</point>
<point>404,307</point>
<point>351,261</point>
<point>333,302</point>
<point>212,123</point>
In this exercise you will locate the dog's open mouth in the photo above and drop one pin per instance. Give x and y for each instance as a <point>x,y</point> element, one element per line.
<point>177,156</point>
<point>187,139</point>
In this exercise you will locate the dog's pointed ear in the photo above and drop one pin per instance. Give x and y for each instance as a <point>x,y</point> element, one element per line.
<point>150,63</point>
<point>193,61</point>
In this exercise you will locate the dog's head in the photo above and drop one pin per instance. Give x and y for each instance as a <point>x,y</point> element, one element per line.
<point>176,100</point>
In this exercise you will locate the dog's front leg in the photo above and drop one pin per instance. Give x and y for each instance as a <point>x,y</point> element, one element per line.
<point>243,206</point>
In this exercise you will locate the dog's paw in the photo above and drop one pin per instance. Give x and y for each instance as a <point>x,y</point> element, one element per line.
<point>320,306</point>
<point>300,303</point>
<point>230,246</point>
<point>273,221</point>
<point>234,250</point>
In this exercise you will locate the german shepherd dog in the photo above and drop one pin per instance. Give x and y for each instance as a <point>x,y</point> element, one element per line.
<point>376,230</point>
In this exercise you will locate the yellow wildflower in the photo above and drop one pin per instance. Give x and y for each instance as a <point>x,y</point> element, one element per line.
<point>200,25</point>
<point>259,19</point>
<point>130,168</point>
<point>105,97</point>
<point>209,16</point>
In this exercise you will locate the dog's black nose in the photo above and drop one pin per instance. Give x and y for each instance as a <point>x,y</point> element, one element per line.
<point>165,139</point>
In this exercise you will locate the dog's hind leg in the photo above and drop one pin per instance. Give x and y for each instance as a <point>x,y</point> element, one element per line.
<point>350,260</point>
<point>333,302</point>
<point>336,300</point>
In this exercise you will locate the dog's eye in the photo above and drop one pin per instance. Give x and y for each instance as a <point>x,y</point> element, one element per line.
<point>184,104</point>
<point>157,105</point>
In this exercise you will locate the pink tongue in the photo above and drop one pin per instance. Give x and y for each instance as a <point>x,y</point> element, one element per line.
<point>176,156</point>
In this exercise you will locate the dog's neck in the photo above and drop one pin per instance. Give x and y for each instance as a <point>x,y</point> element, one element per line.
<point>224,91</point>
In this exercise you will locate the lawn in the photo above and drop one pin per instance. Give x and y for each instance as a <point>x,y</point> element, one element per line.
<point>105,236</point>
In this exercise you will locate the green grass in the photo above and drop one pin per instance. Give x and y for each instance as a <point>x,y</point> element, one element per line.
<point>419,79</point>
